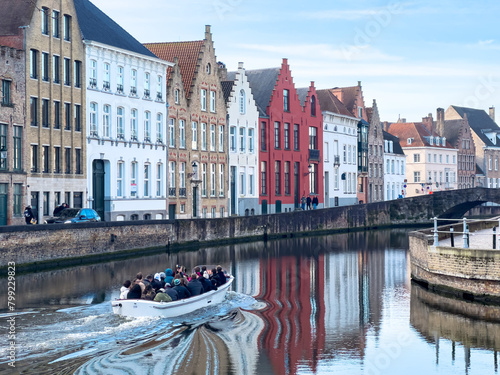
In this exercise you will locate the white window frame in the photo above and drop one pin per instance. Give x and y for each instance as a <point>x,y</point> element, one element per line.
<point>106,121</point>
<point>159,127</point>
<point>133,124</point>
<point>203,99</point>
<point>212,137</point>
<point>182,134</point>
<point>119,179</point>
<point>147,126</point>
<point>171,132</point>
<point>194,135</point>
<point>159,179</point>
<point>212,101</point>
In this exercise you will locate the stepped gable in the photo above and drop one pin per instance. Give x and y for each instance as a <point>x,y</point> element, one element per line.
<point>330,103</point>
<point>227,87</point>
<point>452,131</point>
<point>15,13</point>
<point>262,83</point>
<point>187,53</point>
<point>479,121</point>
<point>96,26</point>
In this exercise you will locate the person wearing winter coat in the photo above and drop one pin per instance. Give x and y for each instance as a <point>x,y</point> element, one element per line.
<point>195,287</point>
<point>182,291</point>
<point>169,276</point>
<point>135,292</point>
<point>28,216</point>
<point>125,289</point>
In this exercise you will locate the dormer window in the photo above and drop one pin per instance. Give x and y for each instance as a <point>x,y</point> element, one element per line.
<point>443,141</point>
<point>409,141</point>
<point>431,141</point>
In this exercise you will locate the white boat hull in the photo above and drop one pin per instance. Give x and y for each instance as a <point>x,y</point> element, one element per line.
<point>140,307</point>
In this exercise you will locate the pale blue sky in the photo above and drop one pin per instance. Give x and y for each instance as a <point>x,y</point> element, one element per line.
<point>411,56</point>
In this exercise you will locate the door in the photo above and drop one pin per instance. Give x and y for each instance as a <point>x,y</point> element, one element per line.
<point>34,204</point>
<point>98,187</point>
<point>296,198</point>
<point>195,201</point>
<point>278,207</point>
<point>327,190</point>
<point>264,207</point>
<point>233,191</point>
<point>171,212</point>
<point>3,204</point>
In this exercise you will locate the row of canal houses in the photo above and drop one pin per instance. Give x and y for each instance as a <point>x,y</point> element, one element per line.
<point>93,118</point>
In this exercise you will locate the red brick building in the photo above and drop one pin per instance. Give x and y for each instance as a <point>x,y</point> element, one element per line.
<point>290,140</point>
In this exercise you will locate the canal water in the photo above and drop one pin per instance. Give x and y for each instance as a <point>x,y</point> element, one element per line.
<point>338,304</point>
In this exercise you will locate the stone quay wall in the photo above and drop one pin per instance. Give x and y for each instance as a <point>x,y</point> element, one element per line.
<point>467,273</point>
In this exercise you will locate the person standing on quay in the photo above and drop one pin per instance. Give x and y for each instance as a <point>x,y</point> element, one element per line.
<point>315,202</point>
<point>303,202</point>
<point>28,216</point>
<point>308,200</point>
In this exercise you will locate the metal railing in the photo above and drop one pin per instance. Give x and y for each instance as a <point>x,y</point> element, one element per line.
<point>466,232</point>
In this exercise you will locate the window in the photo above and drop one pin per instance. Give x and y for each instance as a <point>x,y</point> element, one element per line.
<point>133,179</point>
<point>263,179</point>
<point>78,161</point>
<point>159,179</point>
<point>209,68</point>
<point>147,126</point>
<point>251,140</point>
<point>67,160</point>
<point>232,138</point>
<point>171,179</point>
<point>78,117</point>
<point>416,176</point>
<point>45,21</point>
<point>182,179</point>
<point>66,72</point>
<point>203,136</point>
<point>34,111</point>
<point>221,180</point>
<point>45,203</point>
<point>120,134</point>
<point>286,100</point>
<point>212,180</point>
<point>287,136</point>
<point>45,159</point>
<point>276,135</point>
<point>34,158</point>
<point>18,199</point>
<point>55,69</point>
<point>147,174</point>
<point>182,134</point>
<point>242,102</point>
<point>242,140</point>
<point>176,96</point>
<point>159,127</point>
<point>296,137</point>
<point>263,136</point>
<point>194,135</point>
<point>34,64</point>
<point>221,138</point>
<point>106,85</point>
<point>313,178</point>
<point>57,159</point>
<point>67,27</point>
<point>45,66</point>
<point>3,146</point>
<point>159,88</point>
<point>77,73</point>
<point>242,182</point>
<point>67,116</point>
<point>204,179</point>
<point>93,119</point>
<point>119,179</point>
<point>313,105</point>
<point>147,86</point>
<point>212,101</point>
<point>6,97</point>
<point>203,98</point>
<point>251,182</point>
<point>45,113</point>
<point>416,158</point>
<point>277,177</point>
<point>133,82</point>
<point>171,132</point>
<point>287,177</point>
<point>55,24</point>
<point>57,114</point>
<point>313,142</point>
<point>133,124</point>
<point>106,120</point>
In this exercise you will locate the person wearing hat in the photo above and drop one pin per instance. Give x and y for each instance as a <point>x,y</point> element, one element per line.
<point>156,283</point>
<point>181,290</point>
<point>169,276</point>
<point>28,216</point>
<point>171,292</point>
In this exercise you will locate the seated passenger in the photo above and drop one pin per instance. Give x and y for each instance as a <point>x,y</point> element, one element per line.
<point>148,280</point>
<point>207,284</point>
<point>156,283</point>
<point>162,297</point>
<point>149,294</point>
<point>135,292</point>
<point>140,281</point>
<point>125,289</point>
<point>214,278</point>
<point>171,292</point>
<point>195,286</point>
<point>182,291</point>
<point>221,275</point>
<point>169,276</point>
<point>204,272</point>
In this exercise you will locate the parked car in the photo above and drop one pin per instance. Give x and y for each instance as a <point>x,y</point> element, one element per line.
<point>75,215</point>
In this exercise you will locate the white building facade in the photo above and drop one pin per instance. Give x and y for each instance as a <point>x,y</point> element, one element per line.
<point>395,168</point>
<point>243,120</point>
<point>126,117</point>
<point>340,140</point>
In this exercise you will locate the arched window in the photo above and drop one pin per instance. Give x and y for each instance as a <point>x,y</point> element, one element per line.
<point>313,105</point>
<point>209,68</point>
<point>176,96</point>
<point>242,102</point>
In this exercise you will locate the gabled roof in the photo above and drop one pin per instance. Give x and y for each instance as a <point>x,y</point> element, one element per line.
<point>14,14</point>
<point>396,146</point>
<point>227,87</point>
<point>330,103</point>
<point>369,114</point>
<point>348,97</point>
<point>262,84</point>
<point>188,54</point>
<point>452,131</point>
<point>96,26</point>
<point>479,122</point>
<point>416,131</point>
<point>302,94</point>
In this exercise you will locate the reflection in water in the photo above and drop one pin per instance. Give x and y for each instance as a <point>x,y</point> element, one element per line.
<point>471,325</point>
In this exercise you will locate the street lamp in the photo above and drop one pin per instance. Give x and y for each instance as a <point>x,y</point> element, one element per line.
<point>309,168</point>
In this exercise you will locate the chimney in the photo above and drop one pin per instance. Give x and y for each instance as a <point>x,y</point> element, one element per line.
<point>359,83</point>
<point>440,121</point>
<point>386,126</point>
<point>208,34</point>
<point>428,122</point>
<point>240,65</point>
<point>403,120</point>
<point>492,113</point>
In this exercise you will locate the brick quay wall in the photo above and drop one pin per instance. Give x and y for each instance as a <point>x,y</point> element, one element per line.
<point>471,274</point>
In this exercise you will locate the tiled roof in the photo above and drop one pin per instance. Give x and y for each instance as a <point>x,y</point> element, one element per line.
<point>13,14</point>
<point>348,97</point>
<point>96,26</point>
<point>329,102</point>
<point>479,122</point>
<point>452,131</point>
<point>227,87</point>
<point>262,84</point>
<point>396,146</point>
<point>188,54</point>
<point>369,113</point>
<point>414,130</point>
<point>302,94</point>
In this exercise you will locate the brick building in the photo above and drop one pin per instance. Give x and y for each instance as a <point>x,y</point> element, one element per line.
<point>375,155</point>
<point>197,150</point>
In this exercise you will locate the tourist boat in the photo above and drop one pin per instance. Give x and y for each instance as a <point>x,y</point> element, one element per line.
<point>139,307</point>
